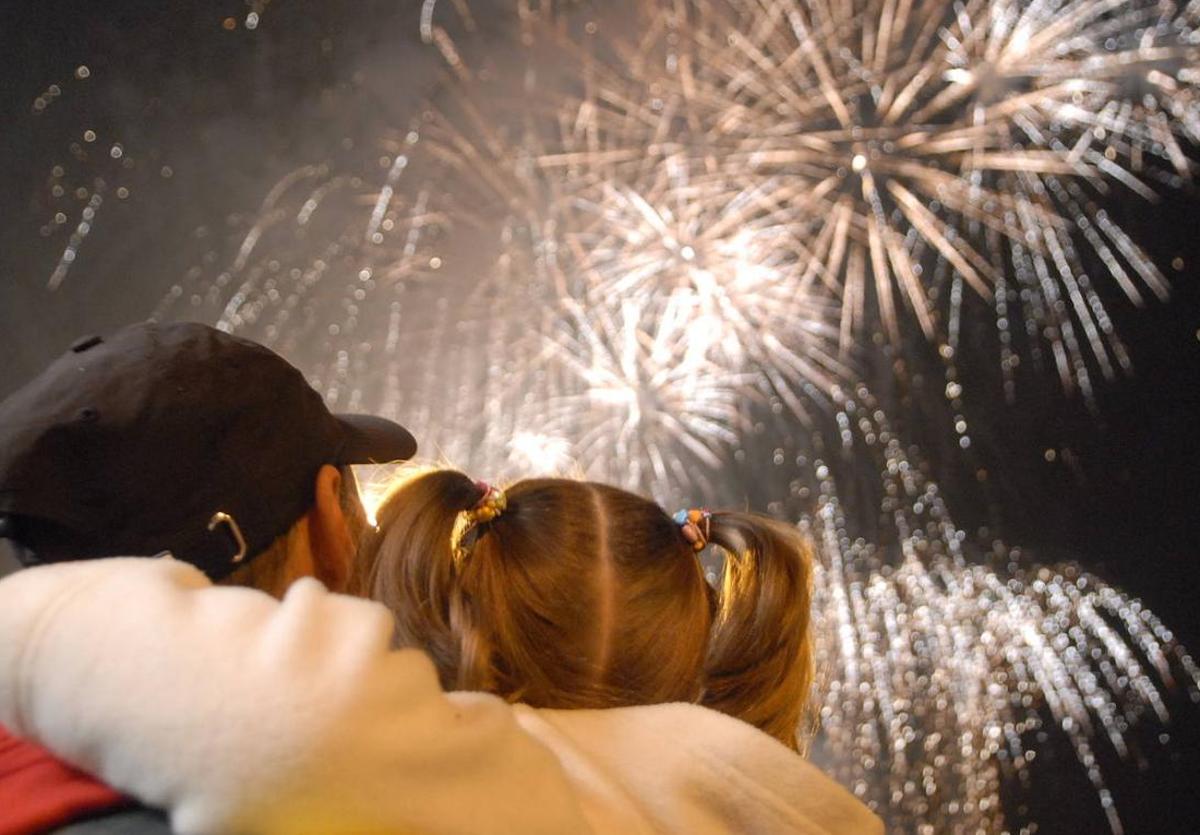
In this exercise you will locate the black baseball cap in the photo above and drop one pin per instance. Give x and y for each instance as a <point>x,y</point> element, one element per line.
<point>171,437</point>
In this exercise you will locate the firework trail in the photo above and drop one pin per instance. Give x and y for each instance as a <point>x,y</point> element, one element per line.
<point>96,169</point>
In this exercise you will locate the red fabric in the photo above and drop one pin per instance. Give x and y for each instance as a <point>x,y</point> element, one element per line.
<point>38,791</point>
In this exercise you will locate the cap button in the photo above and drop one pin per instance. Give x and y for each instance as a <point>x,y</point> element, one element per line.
<point>86,342</point>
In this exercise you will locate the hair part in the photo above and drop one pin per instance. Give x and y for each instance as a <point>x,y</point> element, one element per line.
<point>581,595</point>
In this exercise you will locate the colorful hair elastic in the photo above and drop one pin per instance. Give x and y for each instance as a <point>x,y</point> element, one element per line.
<point>492,502</point>
<point>694,524</point>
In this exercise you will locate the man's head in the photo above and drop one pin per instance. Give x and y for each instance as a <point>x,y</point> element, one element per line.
<point>182,438</point>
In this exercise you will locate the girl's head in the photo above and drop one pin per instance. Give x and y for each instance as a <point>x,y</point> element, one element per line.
<point>580,595</point>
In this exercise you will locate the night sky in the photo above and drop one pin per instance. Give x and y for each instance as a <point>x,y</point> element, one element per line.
<point>212,116</point>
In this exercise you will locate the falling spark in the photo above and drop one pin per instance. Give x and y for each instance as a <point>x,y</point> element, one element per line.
<point>941,670</point>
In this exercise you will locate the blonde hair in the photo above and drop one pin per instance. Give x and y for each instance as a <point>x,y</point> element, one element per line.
<point>581,595</point>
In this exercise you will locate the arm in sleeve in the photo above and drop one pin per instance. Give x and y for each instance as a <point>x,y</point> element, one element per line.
<point>240,713</point>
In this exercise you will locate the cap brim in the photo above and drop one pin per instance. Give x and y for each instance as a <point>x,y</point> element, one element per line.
<point>374,440</point>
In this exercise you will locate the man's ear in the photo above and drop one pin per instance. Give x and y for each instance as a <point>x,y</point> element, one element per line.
<point>329,532</point>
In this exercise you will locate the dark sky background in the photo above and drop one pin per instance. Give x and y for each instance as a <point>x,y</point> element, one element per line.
<point>229,111</point>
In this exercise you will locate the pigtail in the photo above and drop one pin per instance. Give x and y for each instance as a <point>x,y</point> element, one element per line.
<point>413,567</point>
<point>759,665</point>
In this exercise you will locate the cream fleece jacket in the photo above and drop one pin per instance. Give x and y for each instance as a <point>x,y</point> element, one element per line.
<point>242,714</point>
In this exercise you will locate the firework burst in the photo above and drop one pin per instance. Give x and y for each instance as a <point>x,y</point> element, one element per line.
<point>733,262</point>
<point>905,152</point>
<point>649,408</point>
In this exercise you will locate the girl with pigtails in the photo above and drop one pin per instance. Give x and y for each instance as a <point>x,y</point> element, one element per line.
<point>567,594</point>
<point>558,636</point>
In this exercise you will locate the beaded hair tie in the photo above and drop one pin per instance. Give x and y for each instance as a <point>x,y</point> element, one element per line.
<point>492,502</point>
<point>694,524</point>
